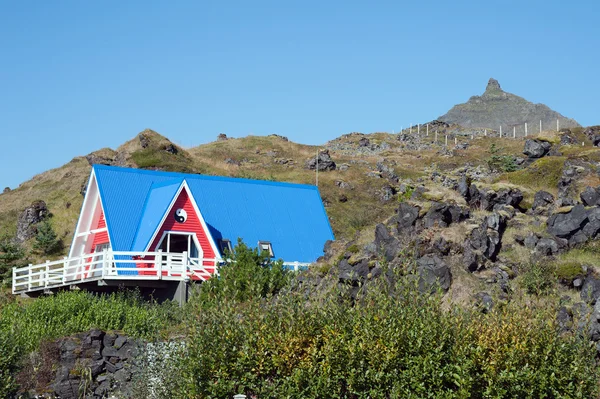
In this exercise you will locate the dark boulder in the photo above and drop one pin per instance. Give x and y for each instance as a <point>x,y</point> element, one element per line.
<point>542,199</point>
<point>484,301</point>
<point>222,137</point>
<point>29,218</point>
<point>567,224</point>
<point>433,274</point>
<point>387,193</point>
<point>546,247</point>
<point>353,274</point>
<point>536,148</point>
<point>484,242</point>
<point>385,243</point>
<point>590,291</point>
<point>590,196</point>
<point>442,215</point>
<point>463,187</point>
<point>564,319</point>
<point>364,142</point>
<point>323,160</point>
<point>407,217</point>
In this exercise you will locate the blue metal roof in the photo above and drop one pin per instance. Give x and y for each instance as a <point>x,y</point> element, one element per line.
<point>290,216</point>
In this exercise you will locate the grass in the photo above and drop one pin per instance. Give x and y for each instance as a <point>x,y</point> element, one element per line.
<point>543,174</point>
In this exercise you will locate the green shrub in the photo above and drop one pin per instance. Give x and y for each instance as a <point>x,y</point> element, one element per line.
<point>568,270</point>
<point>46,240</point>
<point>391,344</point>
<point>249,274</point>
<point>538,278</point>
<point>11,253</point>
<point>500,163</point>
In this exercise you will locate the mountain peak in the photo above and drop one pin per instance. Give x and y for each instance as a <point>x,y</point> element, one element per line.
<point>493,86</point>
<point>497,107</point>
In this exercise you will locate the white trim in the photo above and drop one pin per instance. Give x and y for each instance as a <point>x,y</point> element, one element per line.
<point>203,222</point>
<point>193,235</point>
<point>83,206</point>
<point>96,231</point>
<point>162,221</point>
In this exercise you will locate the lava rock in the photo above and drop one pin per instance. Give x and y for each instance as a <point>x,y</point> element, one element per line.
<point>542,199</point>
<point>484,301</point>
<point>324,162</point>
<point>407,217</point>
<point>546,247</point>
<point>536,148</point>
<point>433,274</point>
<point>29,218</point>
<point>384,242</point>
<point>590,196</point>
<point>590,291</point>
<point>567,224</point>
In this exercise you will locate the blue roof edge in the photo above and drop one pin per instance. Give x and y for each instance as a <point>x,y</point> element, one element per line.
<point>207,177</point>
<point>154,186</point>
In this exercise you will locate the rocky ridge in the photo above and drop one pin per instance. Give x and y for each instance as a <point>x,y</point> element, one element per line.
<point>495,108</point>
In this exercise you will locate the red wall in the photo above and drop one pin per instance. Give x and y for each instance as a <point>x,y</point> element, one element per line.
<point>191,225</point>
<point>100,238</point>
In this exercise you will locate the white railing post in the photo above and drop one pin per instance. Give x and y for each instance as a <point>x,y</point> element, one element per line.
<point>29,276</point>
<point>14,279</point>
<point>158,264</point>
<point>104,264</point>
<point>47,274</point>
<point>184,265</point>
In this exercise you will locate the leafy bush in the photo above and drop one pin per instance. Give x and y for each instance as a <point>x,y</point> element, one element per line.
<point>390,344</point>
<point>11,253</point>
<point>46,240</point>
<point>500,163</point>
<point>538,278</point>
<point>249,274</point>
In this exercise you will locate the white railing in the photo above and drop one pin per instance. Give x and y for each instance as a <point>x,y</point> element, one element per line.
<point>113,265</point>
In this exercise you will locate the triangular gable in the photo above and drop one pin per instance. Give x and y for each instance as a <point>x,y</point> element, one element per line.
<point>91,226</point>
<point>194,223</point>
<point>159,200</point>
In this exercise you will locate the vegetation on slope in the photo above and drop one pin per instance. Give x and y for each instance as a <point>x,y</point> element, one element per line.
<point>278,338</point>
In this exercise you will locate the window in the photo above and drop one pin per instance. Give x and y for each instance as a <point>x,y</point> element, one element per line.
<point>225,245</point>
<point>179,242</point>
<point>265,246</point>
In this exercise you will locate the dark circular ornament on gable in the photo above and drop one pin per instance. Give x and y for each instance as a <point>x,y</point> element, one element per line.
<point>180,215</point>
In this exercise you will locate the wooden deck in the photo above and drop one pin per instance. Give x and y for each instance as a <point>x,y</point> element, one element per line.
<point>118,266</point>
<point>113,265</point>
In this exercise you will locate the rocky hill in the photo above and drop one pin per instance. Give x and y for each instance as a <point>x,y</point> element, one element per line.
<point>495,223</point>
<point>495,108</point>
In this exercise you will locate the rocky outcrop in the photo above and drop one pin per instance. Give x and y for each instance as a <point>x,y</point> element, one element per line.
<point>575,225</point>
<point>489,199</point>
<point>536,148</point>
<point>91,365</point>
<point>222,137</point>
<point>497,108</point>
<point>484,242</point>
<point>542,201</point>
<point>443,215</point>
<point>323,161</point>
<point>590,196</point>
<point>433,274</point>
<point>29,218</point>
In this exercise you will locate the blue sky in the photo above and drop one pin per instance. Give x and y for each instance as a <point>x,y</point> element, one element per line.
<point>77,76</point>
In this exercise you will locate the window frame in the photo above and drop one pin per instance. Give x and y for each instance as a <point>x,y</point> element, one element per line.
<point>266,243</point>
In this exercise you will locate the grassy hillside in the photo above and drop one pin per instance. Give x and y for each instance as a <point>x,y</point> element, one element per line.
<point>350,209</point>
